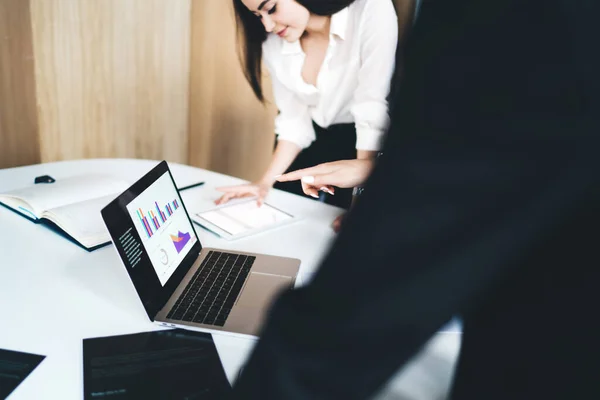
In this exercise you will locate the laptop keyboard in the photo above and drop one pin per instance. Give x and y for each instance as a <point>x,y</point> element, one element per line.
<point>209,296</point>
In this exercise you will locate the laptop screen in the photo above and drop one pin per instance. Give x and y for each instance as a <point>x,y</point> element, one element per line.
<point>163,226</point>
<point>153,235</point>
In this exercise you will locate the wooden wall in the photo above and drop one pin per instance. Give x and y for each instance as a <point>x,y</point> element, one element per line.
<point>230,130</point>
<point>112,78</point>
<point>18,116</point>
<point>156,79</point>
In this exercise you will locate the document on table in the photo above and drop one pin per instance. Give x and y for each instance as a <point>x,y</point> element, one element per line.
<point>14,368</point>
<point>171,364</point>
<point>241,219</point>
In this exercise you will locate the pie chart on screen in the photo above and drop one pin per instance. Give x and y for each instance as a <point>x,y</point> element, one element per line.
<point>164,257</point>
<point>180,240</point>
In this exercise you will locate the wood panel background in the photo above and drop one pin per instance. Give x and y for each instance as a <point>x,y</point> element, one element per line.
<point>18,116</point>
<point>112,78</point>
<point>230,130</point>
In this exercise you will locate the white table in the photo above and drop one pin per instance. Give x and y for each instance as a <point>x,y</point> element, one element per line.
<point>53,294</point>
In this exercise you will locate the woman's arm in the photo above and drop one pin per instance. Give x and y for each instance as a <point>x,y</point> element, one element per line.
<point>378,30</point>
<point>343,174</point>
<point>365,154</point>
<point>293,126</point>
<point>285,153</point>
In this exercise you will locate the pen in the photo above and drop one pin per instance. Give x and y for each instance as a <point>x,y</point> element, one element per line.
<point>191,186</point>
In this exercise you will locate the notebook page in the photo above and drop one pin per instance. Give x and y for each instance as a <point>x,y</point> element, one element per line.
<point>43,197</point>
<point>83,220</point>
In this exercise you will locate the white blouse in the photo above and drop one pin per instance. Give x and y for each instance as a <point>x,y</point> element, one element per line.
<point>353,81</point>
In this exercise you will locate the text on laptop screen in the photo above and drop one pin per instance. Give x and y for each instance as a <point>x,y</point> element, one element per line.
<point>163,225</point>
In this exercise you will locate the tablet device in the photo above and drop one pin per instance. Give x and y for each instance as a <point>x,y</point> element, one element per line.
<point>239,219</point>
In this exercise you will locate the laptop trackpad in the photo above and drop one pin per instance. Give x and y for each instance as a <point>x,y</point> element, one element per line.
<point>261,288</point>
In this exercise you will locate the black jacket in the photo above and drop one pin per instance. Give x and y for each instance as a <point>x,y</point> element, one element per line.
<point>485,204</point>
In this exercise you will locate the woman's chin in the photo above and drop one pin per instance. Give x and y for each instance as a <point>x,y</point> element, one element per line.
<point>290,37</point>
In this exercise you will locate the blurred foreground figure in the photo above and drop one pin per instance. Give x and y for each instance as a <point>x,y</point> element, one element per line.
<point>485,204</point>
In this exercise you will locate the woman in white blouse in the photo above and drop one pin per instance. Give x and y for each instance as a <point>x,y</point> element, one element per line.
<point>331,64</point>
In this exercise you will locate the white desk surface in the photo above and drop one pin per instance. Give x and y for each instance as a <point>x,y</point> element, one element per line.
<point>53,293</point>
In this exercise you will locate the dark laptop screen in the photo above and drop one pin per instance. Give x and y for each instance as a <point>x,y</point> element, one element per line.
<point>154,237</point>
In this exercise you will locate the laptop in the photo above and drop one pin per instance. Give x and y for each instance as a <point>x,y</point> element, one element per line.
<point>180,283</point>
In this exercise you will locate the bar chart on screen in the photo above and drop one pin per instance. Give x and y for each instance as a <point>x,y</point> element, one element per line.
<point>155,218</point>
<point>162,225</point>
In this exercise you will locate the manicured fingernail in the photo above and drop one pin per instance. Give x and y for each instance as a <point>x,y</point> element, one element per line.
<point>326,190</point>
<point>314,195</point>
<point>308,179</point>
<point>277,176</point>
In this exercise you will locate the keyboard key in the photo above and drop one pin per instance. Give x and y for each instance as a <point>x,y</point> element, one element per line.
<point>213,290</point>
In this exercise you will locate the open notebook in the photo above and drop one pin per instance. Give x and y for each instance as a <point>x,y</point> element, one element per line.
<point>72,205</point>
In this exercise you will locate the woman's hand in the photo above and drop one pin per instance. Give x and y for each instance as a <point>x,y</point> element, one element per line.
<point>259,189</point>
<point>284,155</point>
<point>343,174</point>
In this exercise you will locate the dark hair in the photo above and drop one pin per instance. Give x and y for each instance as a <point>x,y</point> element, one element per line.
<point>251,34</point>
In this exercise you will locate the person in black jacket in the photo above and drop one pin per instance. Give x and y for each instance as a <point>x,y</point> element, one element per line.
<point>485,204</point>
